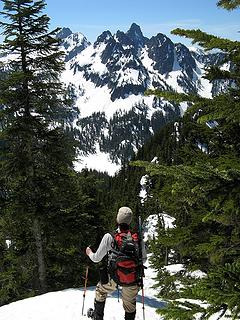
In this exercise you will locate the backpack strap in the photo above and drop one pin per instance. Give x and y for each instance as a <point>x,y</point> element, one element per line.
<point>117,237</point>
<point>114,242</point>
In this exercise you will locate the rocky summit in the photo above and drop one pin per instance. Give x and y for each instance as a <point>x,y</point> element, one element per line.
<point>108,79</point>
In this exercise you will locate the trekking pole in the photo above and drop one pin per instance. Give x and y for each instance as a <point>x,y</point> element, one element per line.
<point>143,302</point>
<point>118,293</point>
<point>85,288</point>
<point>141,263</point>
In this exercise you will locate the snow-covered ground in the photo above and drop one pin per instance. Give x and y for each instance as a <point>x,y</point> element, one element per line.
<point>67,304</point>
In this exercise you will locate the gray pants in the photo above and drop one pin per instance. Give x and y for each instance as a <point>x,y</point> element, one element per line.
<point>129,294</point>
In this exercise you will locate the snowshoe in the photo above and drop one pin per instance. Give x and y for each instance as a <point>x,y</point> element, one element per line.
<point>90,313</point>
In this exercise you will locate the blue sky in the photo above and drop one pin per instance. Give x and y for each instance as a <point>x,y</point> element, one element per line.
<point>92,17</point>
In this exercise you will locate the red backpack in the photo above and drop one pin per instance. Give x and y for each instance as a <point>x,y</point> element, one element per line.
<point>123,259</point>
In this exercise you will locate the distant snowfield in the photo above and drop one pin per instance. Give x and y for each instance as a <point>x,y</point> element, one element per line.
<point>99,161</point>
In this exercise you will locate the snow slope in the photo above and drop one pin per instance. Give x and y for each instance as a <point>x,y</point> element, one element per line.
<point>97,161</point>
<point>67,304</point>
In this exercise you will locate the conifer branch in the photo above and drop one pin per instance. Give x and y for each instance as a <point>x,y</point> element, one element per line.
<point>175,96</point>
<point>208,41</point>
<point>229,4</point>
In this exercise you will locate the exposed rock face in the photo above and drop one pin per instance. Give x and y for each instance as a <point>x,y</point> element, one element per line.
<point>108,78</point>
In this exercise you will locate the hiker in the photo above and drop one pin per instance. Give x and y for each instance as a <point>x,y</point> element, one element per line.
<point>107,284</point>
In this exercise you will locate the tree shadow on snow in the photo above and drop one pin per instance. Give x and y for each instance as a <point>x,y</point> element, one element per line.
<point>151,302</point>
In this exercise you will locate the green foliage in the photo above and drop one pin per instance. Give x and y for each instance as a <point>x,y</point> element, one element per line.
<point>181,311</point>
<point>208,41</point>
<point>229,4</point>
<point>200,188</point>
<point>125,132</point>
<point>47,211</point>
<point>174,96</point>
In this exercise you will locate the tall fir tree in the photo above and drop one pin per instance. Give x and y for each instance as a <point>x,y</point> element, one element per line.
<point>41,202</point>
<point>201,190</point>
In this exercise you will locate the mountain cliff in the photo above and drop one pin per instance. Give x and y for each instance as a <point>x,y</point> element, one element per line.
<point>107,80</point>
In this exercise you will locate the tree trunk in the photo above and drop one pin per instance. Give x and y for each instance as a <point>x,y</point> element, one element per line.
<point>166,256</point>
<point>40,256</point>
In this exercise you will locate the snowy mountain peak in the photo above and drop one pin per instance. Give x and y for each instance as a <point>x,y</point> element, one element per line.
<point>135,34</point>
<point>104,37</point>
<point>135,29</point>
<point>109,78</point>
<point>112,116</point>
<point>64,33</point>
<point>162,39</point>
<point>72,43</point>
<point>185,59</point>
<point>162,51</point>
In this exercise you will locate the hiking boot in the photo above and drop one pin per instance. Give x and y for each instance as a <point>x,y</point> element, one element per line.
<point>90,313</point>
<point>98,310</point>
<point>130,315</point>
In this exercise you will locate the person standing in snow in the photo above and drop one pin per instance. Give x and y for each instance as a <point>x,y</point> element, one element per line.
<point>103,288</point>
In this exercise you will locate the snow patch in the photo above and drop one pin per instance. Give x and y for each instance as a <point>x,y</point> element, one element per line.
<point>99,161</point>
<point>143,191</point>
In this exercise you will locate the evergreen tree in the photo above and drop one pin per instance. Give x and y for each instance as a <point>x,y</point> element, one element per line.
<point>201,190</point>
<point>41,220</point>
